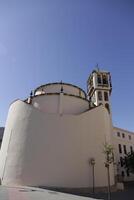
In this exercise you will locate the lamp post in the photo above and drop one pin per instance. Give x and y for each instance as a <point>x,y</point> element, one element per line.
<point>92,163</point>
<point>107,165</point>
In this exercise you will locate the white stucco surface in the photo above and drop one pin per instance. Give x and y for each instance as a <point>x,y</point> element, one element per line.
<point>56,88</point>
<point>43,149</point>
<point>60,102</point>
<point>50,137</point>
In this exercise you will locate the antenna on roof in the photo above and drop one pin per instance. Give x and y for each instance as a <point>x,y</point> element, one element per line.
<point>31,94</point>
<point>61,87</point>
<point>97,67</point>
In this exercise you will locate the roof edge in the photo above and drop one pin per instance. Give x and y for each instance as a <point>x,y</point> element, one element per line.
<point>61,83</point>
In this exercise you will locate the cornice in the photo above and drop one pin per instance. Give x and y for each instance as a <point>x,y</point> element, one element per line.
<point>59,83</point>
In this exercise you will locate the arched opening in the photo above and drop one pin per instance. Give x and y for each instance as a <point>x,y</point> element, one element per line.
<point>99,95</point>
<point>105,80</point>
<point>99,79</point>
<point>107,106</point>
<point>105,96</point>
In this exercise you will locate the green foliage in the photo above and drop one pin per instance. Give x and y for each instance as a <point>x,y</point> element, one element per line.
<point>129,162</point>
<point>109,155</point>
<point>109,159</point>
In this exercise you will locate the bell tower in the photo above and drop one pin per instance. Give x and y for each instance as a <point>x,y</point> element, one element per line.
<point>99,88</point>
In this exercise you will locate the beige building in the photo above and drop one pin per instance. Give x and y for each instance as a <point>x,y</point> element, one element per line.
<point>50,137</point>
<point>123,142</point>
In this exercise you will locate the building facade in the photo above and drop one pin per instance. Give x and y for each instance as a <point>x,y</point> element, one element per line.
<point>123,142</point>
<point>51,137</point>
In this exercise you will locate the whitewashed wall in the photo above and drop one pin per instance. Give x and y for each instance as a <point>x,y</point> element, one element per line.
<point>53,149</point>
<point>56,88</point>
<point>55,103</point>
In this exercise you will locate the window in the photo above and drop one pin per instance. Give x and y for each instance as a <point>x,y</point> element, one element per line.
<point>118,134</point>
<point>122,173</point>
<point>107,106</point>
<point>129,137</point>
<point>131,149</point>
<point>123,135</point>
<point>91,82</point>
<point>125,150</point>
<point>99,79</point>
<point>128,174</point>
<point>120,149</point>
<point>105,96</point>
<point>121,161</point>
<point>100,96</point>
<point>126,162</point>
<point>105,80</point>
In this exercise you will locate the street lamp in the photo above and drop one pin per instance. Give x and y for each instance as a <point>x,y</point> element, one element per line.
<point>92,163</point>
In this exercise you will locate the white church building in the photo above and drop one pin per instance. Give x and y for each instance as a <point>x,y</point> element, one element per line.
<point>50,137</point>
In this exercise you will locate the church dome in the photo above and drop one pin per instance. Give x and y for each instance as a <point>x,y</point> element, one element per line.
<point>60,98</point>
<point>57,87</point>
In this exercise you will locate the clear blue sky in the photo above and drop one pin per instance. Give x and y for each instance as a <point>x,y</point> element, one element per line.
<point>45,41</point>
